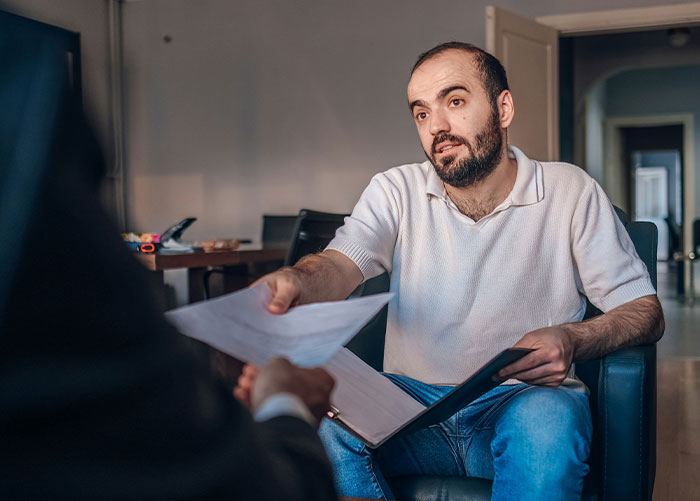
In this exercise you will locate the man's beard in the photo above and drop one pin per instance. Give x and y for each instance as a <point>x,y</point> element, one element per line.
<point>483,157</point>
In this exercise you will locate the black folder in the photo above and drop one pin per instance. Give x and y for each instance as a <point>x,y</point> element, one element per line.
<point>463,394</point>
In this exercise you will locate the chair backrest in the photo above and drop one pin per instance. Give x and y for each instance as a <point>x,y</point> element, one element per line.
<point>278,231</point>
<point>368,344</point>
<point>314,230</point>
<point>644,236</point>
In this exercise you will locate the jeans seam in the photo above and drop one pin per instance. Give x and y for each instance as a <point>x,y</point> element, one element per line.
<point>493,409</point>
<point>370,467</point>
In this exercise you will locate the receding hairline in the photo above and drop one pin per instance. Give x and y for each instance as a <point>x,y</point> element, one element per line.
<point>445,52</point>
<point>474,54</point>
<point>492,74</point>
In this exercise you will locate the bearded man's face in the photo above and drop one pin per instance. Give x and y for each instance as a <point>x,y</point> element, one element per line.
<point>457,121</point>
<point>481,158</point>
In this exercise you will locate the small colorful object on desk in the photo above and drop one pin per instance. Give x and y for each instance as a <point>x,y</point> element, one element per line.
<point>145,242</point>
<point>147,247</point>
<point>150,237</point>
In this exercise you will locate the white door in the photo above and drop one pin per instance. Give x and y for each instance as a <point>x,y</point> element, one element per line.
<point>529,52</point>
<point>651,202</point>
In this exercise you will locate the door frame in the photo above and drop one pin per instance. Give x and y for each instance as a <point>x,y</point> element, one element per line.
<point>614,171</point>
<point>620,20</point>
<point>641,19</point>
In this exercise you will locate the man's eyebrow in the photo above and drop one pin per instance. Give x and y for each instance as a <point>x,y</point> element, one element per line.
<point>444,92</point>
<point>415,103</point>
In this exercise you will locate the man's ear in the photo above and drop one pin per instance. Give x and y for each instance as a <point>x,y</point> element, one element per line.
<point>506,111</point>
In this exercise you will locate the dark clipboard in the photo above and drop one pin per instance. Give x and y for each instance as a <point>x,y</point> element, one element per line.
<point>463,394</point>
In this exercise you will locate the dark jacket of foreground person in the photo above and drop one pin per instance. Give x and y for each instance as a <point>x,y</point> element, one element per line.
<point>99,396</point>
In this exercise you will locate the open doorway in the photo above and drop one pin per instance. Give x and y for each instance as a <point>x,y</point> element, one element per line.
<point>541,54</point>
<point>652,162</point>
<point>632,105</point>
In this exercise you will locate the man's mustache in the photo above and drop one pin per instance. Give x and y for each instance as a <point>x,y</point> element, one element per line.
<point>445,137</point>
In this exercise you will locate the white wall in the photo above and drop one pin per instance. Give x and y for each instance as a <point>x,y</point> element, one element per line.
<point>262,106</point>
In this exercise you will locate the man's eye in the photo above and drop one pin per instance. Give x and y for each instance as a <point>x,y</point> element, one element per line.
<point>457,101</point>
<point>421,116</point>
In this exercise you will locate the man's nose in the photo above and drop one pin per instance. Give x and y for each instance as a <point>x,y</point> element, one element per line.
<point>439,123</point>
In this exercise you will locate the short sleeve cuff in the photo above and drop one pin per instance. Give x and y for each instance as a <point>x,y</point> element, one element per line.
<point>357,254</point>
<point>626,293</point>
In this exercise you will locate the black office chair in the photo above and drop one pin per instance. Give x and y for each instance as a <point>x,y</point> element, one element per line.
<point>277,233</point>
<point>314,230</point>
<point>623,407</point>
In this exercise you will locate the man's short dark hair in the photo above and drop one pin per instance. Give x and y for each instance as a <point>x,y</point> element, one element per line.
<point>493,74</point>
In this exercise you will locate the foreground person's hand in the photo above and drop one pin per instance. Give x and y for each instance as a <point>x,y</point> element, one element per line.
<point>279,375</point>
<point>245,384</point>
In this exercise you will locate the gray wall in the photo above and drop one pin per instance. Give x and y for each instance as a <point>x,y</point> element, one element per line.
<point>269,106</point>
<point>658,91</point>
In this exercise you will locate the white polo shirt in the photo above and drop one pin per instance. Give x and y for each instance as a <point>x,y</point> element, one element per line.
<point>465,290</point>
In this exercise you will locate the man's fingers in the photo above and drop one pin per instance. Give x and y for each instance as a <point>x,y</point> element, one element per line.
<point>530,375</point>
<point>285,288</point>
<point>551,374</point>
<point>281,301</point>
<point>529,361</point>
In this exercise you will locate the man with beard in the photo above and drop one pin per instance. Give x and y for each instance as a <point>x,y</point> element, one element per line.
<point>486,249</point>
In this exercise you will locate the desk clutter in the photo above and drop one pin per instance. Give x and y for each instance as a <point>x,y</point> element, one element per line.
<point>144,242</point>
<point>169,241</point>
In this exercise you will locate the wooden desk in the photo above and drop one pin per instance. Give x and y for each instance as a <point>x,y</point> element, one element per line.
<point>197,263</point>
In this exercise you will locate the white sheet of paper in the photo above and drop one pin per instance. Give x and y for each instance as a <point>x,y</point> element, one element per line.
<point>367,402</point>
<point>240,325</point>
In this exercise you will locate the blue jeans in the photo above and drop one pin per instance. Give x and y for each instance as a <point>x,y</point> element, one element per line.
<point>532,441</point>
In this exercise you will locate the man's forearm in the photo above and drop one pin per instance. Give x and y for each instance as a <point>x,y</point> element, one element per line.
<point>637,322</point>
<point>326,276</point>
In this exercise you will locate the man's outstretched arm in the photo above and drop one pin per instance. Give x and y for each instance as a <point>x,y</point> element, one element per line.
<point>639,321</point>
<point>327,276</point>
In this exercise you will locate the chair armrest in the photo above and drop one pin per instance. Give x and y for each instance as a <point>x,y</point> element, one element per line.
<point>627,423</point>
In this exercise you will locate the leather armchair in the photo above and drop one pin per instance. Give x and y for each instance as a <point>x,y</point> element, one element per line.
<point>623,406</point>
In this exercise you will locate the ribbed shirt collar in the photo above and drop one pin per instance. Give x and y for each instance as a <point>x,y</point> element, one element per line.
<point>528,188</point>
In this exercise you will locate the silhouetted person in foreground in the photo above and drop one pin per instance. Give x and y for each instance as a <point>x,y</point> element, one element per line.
<point>99,396</point>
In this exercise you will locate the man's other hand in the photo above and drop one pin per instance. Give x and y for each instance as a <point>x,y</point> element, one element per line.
<point>286,289</point>
<point>550,361</point>
<point>279,375</point>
